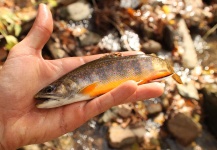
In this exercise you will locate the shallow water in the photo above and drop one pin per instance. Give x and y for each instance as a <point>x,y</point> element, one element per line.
<point>206,50</point>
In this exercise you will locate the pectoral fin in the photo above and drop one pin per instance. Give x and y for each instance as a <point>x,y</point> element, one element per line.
<point>88,89</point>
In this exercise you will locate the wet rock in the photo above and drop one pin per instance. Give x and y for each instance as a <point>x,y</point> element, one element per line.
<point>154,108</point>
<point>189,57</point>
<point>210,106</point>
<point>31,147</point>
<point>168,38</point>
<point>124,110</point>
<point>89,38</point>
<point>151,46</point>
<point>183,128</point>
<point>130,3</point>
<point>56,50</point>
<point>65,142</point>
<point>79,10</point>
<point>139,133</point>
<point>108,116</point>
<point>188,91</point>
<point>119,137</point>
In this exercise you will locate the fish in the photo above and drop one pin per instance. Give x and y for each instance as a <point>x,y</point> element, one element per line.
<point>102,75</point>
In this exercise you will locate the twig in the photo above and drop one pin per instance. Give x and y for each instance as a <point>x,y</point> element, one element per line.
<point>210,31</point>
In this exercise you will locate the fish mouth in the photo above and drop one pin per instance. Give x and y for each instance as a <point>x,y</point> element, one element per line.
<point>45,97</point>
<point>45,100</point>
<point>42,99</point>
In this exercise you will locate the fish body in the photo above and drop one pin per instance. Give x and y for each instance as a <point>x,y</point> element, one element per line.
<point>102,75</point>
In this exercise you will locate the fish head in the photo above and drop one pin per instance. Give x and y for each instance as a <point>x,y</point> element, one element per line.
<point>55,94</point>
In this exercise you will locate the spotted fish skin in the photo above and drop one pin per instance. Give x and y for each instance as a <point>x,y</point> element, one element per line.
<point>102,75</point>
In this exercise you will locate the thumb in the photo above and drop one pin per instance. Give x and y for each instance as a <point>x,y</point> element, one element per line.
<point>38,35</point>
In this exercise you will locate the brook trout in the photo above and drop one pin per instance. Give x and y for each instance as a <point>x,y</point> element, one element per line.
<point>102,75</point>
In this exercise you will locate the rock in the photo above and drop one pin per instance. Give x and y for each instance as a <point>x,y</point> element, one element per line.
<point>189,57</point>
<point>32,147</point>
<point>183,128</point>
<point>119,137</point>
<point>188,91</point>
<point>210,106</point>
<point>130,3</point>
<point>55,50</point>
<point>154,108</point>
<point>151,46</point>
<point>65,142</point>
<point>107,116</point>
<point>139,133</point>
<point>124,110</point>
<point>168,38</point>
<point>79,10</point>
<point>89,38</point>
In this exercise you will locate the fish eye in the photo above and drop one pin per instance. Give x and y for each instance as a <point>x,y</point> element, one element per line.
<point>50,89</point>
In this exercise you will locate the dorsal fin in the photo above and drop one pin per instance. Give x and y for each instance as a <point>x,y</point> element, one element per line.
<point>112,55</point>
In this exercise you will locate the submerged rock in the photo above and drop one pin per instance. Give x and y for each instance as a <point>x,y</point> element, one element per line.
<point>183,128</point>
<point>189,57</point>
<point>151,46</point>
<point>79,10</point>
<point>119,137</point>
<point>154,108</point>
<point>56,50</point>
<point>108,116</point>
<point>89,38</point>
<point>168,38</point>
<point>210,106</point>
<point>124,110</point>
<point>188,91</point>
<point>75,11</point>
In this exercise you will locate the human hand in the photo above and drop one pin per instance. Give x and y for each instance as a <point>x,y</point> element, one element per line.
<point>25,72</point>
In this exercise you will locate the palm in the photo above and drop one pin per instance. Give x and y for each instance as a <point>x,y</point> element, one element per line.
<point>25,72</point>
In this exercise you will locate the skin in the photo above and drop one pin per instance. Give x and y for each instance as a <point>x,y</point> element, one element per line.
<point>25,72</point>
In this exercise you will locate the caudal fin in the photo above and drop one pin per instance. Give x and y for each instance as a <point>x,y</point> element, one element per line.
<point>177,78</point>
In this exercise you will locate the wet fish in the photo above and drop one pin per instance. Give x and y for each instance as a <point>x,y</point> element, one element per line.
<point>102,75</point>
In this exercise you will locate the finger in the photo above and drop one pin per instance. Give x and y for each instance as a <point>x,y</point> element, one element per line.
<point>38,35</point>
<point>41,29</point>
<point>127,92</point>
<point>70,63</point>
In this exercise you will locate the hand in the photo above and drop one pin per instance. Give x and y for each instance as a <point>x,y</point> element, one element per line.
<point>25,72</point>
